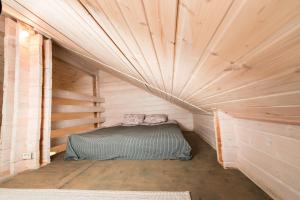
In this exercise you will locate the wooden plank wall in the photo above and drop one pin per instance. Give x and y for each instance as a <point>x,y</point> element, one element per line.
<point>22,98</point>
<point>218,131</point>
<point>268,153</point>
<point>76,104</point>
<point>2,29</point>
<point>27,100</point>
<point>204,126</point>
<point>7,97</point>
<point>226,144</point>
<point>122,97</point>
<point>239,56</point>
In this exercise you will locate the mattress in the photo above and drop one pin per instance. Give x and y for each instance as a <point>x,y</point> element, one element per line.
<point>141,142</point>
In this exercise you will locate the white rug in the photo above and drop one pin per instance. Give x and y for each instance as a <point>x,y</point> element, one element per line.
<point>61,194</point>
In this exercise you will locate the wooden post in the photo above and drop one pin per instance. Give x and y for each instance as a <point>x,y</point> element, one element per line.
<point>23,100</point>
<point>225,139</point>
<point>218,138</point>
<point>97,94</point>
<point>47,103</point>
<point>8,96</point>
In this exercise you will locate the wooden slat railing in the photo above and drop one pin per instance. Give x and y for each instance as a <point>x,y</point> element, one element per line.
<point>65,94</point>
<point>58,148</point>
<point>75,122</point>
<point>69,118</point>
<point>72,109</point>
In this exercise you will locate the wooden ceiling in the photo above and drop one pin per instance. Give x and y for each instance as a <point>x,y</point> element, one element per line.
<point>240,56</point>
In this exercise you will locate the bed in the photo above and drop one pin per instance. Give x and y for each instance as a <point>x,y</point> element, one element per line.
<point>139,142</point>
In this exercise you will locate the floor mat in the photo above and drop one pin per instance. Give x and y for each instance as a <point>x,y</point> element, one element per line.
<point>58,194</point>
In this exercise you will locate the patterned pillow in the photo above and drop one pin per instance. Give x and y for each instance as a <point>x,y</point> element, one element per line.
<point>133,119</point>
<point>156,118</point>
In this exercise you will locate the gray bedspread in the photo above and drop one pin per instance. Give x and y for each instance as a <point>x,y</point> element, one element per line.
<point>140,142</point>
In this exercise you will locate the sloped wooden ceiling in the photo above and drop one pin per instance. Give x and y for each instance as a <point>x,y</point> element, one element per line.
<point>240,56</point>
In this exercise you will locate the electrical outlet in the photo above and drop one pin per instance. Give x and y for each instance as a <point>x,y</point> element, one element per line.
<point>27,156</point>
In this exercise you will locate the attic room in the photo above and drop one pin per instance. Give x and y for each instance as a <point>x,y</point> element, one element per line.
<point>150,99</point>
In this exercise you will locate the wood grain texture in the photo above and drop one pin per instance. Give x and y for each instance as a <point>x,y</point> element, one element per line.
<point>8,94</point>
<point>58,148</point>
<point>204,126</point>
<point>269,154</point>
<point>202,54</point>
<point>65,94</point>
<point>67,77</point>
<point>62,132</point>
<point>75,122</point>
<point>226,139</point>
<point>72,109</point>
<point>46,103</point>
<point>123,98</point>
<point>241,57</point>
<point>76,107</point>
<point>2,30</point>
<point>23,90</point>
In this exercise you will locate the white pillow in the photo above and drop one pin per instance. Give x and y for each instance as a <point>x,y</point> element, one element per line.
<point>155,118</point>
<point>133,119</point>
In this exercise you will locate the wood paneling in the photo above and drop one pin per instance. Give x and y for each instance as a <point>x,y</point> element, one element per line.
<point>2,29</point>
<point>71,130</point>
<point>75,122</point>
<point>201,54</point>
<point>204,126</point>
<point>67,77</point>
<point>8,95</point>
<point>241,57</point>
<point>123,98</point>
<point>72,109</point>
<point>58,148</point>
<point>198,22</point>
<point>226,139</point>
<point>65,94</point>
<point>22,99</point>
<point>75,105</point>
<point>269,154</point>
<point>3,166</point>
<point>87,65</point>
<point>67,116</point>
<point>46,104</point>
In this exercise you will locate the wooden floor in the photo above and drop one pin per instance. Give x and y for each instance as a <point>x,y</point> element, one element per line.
<point>202,176</point>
